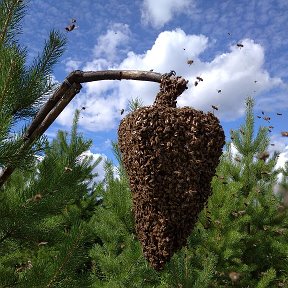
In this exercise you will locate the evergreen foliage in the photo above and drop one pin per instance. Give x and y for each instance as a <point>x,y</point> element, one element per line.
<point>23,88</point>
<point>45,213</point>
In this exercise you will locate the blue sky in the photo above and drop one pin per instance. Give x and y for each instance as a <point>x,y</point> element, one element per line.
<point>162,35</point>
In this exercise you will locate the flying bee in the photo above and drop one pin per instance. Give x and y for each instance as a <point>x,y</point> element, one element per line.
<point>151,70</point>
<point>68,169</point>
<point>262,112</point>
<point>284,134</point>
<point>195,83</point>
<point>238,159</point>
<point>215,107</point>
<point>279,113</point>
<point>264,156</point>
<point>240,45</point>
<point>190,62</point>
<point>267,118</point>
<point>199,78</point>
<point>258,116</point>
<point>229,33</point>
<point>83,108</point>
<point>71,26</point>
<point>271,127</point>
<point>272,144</point>
<point>122,111</point>
<point>219,91</point>
<point>255,81</point>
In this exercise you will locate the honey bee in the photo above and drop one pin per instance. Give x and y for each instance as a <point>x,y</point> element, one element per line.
<point>255,81</point>
<point>279,113</point>
<point>272,144</point>
<point>258,116</point>
<point>199,78</point>
<point>219,91</point>
<point>122,111</point>
<point>190,62</point>
<point>71,26</point>
<point>267,118</point>
<point>240,45</point>
<point>264,156</point>
<point>271,127</point>
<point>195,83</point>
<point>284,134</point>
<point>262,112</point>
<point>215,107</point>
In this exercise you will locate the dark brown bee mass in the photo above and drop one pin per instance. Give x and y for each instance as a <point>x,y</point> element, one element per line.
<point>170,155</point>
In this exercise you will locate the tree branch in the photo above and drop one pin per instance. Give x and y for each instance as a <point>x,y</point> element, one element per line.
<point>61,98</point>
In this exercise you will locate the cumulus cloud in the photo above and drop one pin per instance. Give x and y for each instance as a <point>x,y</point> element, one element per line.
<point>113,43</point>
<point>157,13</point>
<point>99,169</point>
<point>234,71</point>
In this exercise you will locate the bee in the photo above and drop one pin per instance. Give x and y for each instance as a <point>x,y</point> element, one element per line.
<point>240,45</point>
<point>219,91</point>
<point>122,111</point>
<point>151,70</point>
<point>284,134</point>
<point>215,107</point>
<point>190,62</point>
<point>229,33</point>
<point>238,159</point>
<point>272,144</point>
<point>264,156</point>
<point>195,83</point>
<point>184,49</point>
<point>271,127</point>
<point>267,118</point>
<point>265,173</point>
<point>68,169</point>
<point>262,112</point>
<point>71,26</point>
<point>241,131</point>
<point>83,108</point>
<point>199,78</point>
<point>255,81</point>
<point>279,113</point>
<point>258,116</point>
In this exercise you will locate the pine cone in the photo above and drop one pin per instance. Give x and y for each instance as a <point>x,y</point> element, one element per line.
<point>170,155</point>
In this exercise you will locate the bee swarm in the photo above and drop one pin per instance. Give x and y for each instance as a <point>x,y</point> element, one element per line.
<point>170,155</point>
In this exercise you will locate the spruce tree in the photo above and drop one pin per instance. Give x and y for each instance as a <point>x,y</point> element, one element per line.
<point>240,238</point>
<point>45,213</point>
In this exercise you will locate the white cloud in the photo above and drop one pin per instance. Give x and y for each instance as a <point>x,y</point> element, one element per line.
<point>71,65</point>
<point>109,44</point>
<point>234,72</point>
<point>99,169</point>
<point>159,12</point>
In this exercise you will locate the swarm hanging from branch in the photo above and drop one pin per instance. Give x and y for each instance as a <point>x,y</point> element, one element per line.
<point>170,155</point>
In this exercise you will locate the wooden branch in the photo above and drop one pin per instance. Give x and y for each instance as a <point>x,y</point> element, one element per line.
<point>61,98</point>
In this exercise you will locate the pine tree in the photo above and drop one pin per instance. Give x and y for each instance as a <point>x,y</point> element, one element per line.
<point>45,213</point>
<point>240,238</point>
<point>23,88</point>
